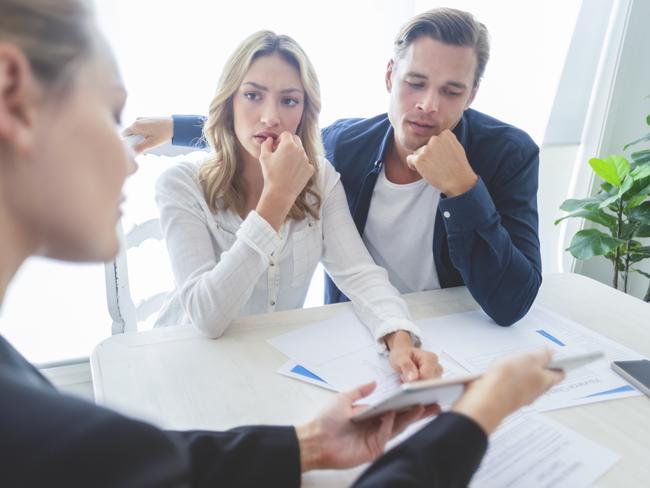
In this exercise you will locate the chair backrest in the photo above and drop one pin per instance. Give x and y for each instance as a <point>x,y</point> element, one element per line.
<point>125,314</point>
<point>148,261</point>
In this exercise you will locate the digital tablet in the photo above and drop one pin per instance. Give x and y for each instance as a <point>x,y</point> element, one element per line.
<point>426,392</point>
<point>446,392</point>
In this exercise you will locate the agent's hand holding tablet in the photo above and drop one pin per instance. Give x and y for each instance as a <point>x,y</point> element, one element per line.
<point>447,391</point>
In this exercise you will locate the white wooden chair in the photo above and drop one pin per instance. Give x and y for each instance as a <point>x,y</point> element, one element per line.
<point>125,314</point>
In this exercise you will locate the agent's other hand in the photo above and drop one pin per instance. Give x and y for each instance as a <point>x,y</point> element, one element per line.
<point>411,362</point>
<point>333,441</point>
<point>507,386</point>
<point>154,130</point>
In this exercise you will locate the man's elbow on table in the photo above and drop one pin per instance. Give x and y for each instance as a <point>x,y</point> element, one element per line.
<point>510,310</point>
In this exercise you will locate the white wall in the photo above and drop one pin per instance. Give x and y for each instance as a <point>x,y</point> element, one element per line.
<point>625,118</point>
<point>574,128</point>
<point>556,164</point>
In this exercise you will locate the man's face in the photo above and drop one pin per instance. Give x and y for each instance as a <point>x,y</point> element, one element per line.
<point>430,87</point>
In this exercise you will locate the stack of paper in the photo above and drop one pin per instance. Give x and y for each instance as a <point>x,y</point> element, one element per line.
<point>475,342</point>
<point>528,449</point>
<point>536,452</point>
<point>340,353</point>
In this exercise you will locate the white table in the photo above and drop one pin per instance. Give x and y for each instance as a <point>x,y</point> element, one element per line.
<point>177,379</point>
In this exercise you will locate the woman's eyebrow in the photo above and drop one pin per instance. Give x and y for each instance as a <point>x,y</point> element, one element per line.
<point>257,86</point>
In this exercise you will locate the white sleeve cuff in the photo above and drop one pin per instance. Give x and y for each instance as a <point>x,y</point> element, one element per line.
<point>259,235</point>
<point>393,325</point>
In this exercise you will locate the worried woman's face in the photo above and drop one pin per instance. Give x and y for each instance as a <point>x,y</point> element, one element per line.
<point>269,101</point>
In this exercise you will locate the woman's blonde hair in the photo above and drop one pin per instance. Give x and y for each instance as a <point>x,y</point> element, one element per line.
<point>55,36</point>
<point>220,175</point>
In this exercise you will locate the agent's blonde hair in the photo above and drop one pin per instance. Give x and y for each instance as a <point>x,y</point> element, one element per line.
<point>55,36</point>
<point>220,175</point>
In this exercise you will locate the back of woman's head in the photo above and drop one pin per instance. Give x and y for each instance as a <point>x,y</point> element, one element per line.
<point>54,35</point>
<point>62,162</point>
<point>219,175</point>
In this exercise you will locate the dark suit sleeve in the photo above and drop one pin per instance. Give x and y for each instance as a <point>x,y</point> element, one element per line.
<point>444,454</point>
<point>50,439</point>
<point>493,240</point>
<point>188,131</point>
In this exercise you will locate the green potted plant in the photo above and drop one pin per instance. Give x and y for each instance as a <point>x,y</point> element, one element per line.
<point>622,208</point>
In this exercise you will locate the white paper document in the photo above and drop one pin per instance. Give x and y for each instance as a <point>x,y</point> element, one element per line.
<point>342,352</point>
<point>532,451</point>
<point>299,372</point>
<point>475,342</point>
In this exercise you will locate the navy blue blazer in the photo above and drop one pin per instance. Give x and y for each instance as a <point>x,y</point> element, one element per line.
<point>486,239</point>
<point>50,439</point>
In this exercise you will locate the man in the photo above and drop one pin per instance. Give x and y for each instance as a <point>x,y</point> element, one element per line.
<point>443,195</point>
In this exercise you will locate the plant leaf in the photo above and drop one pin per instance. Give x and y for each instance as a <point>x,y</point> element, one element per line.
<point>573,204</point>
<point>647,275</point>
<point>610,168</point>
<point>592,242</point>
<point>641,157</point>
<point>627,230</point>
<point>636,257</point>
<point>640,250</point>
<point>635,202</point>
<point>608,189</point>
<point>621,164</point>
<point>640,213</point>
<point>640,187</point>
<point>596,216</point>
<point>641,172</point>
<point>628,183</point>
<point>643,231</point>
<point>609,201</point>
<point>641,139</point>
<point>644,190</point>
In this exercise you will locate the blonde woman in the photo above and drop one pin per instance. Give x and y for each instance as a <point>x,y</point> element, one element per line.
<point>246,228</point>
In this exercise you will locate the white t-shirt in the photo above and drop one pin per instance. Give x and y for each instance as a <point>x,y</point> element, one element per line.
<point>399,232</point>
